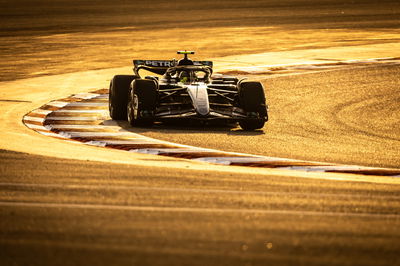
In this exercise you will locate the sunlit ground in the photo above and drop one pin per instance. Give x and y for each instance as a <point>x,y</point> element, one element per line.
<point>59,53</point>
<point>45,38</point>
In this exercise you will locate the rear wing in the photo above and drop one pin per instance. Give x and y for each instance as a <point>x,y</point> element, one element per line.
<point>160,66</point>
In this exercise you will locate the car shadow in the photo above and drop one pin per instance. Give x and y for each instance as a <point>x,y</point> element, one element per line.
<point>174,128</point>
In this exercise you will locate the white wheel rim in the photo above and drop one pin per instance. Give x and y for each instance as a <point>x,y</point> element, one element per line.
<point>135,106</point>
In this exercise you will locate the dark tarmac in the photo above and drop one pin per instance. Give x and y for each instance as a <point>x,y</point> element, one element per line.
<point>344,116</point>
<point>66,212</point>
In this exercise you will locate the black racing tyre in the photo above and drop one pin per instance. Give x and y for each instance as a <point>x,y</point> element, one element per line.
<point>252,124</point>
<point>142,102</point>
<point>252,100</point>
<point>118,96</point>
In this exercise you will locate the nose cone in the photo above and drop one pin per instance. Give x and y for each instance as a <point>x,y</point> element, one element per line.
<point>199,96</point>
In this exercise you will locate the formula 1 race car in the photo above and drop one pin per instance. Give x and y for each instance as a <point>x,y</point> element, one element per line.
<point>186,90</point>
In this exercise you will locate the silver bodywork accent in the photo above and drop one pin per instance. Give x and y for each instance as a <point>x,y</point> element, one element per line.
<point>199,95</point>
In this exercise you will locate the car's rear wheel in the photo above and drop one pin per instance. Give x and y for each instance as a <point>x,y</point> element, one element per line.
<point>118,96</point>
<point>142,102</point>
<point>252,101</point>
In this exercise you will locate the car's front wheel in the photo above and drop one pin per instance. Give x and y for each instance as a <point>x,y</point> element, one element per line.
<point>142,102</point>
<point>118,96</point>
<point>252,100</point>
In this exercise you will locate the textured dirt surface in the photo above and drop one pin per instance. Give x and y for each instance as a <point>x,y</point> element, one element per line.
<point>68,212</point>
<point>346,116</point>
<point>40,38</point>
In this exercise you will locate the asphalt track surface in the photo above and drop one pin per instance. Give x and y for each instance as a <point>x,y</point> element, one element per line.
<point>95,213</point>
<point>57,211</point>
<point>316,117</point>
<point>84,118</point>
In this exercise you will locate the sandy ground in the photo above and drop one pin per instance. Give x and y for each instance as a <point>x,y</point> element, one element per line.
<point>45,39</point>
<point>67,212</point>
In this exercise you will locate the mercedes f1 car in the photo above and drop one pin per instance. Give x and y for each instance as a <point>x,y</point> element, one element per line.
<point>185,90</point>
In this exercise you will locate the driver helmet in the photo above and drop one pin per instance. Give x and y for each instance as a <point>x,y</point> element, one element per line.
<point>184,76</point>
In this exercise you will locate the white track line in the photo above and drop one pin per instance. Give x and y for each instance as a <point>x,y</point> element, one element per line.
<point>61,126</point>
<point>74,118</point>
<point>228,160</point>
<point>51,134</point>
<point>103,143</point>
<point>103,96</point>
<point>34,119</point>
<point>37,127</point>
<point>86,104</point>
<point>130,141</point>
<point>95,143</point>
<point>330,168</point>
<point>192,209</point>
<point>74,134</point>
<point>59,104</point>
<point>41,112</point>
<point>172,150</point>
<point>86,96</point>
<point>244,159</point>
<point>80,111</point>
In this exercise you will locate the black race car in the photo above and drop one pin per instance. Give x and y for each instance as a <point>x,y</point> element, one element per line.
<point>185,90</point>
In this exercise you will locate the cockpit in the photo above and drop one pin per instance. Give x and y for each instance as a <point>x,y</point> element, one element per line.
<point>188,74</point>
